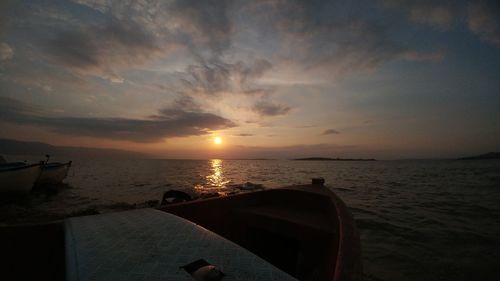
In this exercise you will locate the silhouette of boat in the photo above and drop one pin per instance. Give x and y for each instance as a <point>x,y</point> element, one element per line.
<point>53,173</point>
<point>299,232</point>
<point>18,177</point>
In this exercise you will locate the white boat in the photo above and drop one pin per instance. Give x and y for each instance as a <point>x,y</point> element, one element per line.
<point>18,176</point>
<point>53,173</point>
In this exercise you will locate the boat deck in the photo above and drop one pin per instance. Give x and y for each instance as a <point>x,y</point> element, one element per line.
<point>148,244</point>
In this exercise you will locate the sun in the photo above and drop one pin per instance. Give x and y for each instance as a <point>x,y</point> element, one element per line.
<point>217,140</point>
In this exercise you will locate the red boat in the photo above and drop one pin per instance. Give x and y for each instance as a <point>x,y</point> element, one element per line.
<point>305,230</point>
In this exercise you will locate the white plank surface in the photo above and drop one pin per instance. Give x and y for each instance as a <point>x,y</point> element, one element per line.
<point>148,244</point>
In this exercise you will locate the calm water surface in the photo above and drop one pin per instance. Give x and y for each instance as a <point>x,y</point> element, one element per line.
<point>419,220</point>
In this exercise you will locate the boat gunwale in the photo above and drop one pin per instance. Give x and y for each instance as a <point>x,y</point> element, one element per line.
<point>347,266</point>
<point>9,169</point>
<point>348,240</point>
<point>56,165</point>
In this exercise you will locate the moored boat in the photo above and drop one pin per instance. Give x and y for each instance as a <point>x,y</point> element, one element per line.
<point>18,177</point>
<point>53,173</point>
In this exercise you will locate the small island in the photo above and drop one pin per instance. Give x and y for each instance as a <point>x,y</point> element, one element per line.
<point>332,159</point>
<point>490,155</point>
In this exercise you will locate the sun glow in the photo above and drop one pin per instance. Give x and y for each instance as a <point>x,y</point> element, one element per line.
<point>217,140</point>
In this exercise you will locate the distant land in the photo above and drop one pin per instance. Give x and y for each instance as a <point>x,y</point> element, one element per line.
<point>15,147</point>
<point>249,159</point>
<point>332,159</point>
<point>489,155</point>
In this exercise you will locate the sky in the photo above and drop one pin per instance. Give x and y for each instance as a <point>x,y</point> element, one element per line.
<point>379,79</point>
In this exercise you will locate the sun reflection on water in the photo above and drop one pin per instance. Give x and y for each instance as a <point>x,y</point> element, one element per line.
<point>216,182</point>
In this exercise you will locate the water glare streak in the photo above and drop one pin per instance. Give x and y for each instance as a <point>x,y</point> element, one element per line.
<point>215,182</point>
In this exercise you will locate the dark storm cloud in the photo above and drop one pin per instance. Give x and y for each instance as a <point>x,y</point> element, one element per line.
<point>170,122</point>
<point>331,132</point>
<point>265,108</point>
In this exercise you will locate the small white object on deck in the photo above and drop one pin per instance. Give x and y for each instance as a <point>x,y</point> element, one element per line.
<point>148,244</point>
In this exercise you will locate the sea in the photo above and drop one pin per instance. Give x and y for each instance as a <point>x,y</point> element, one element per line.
<point>418,219</point>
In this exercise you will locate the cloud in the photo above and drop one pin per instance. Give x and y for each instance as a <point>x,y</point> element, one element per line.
<point>331,132</point>
<point>29,75</point>
<point>6,52</point>
<point>12,110</point>
<point>169,122</point>
<point>483,18</point>
<point>184,103</point>
<point>265,108</point>
<point>133,35</point>
<point>113,36</point>
<point>203,23</point>
<point>216,77</point>
<point>104,50</point>
<point>315,36</point>
<point>4,12</point>
<point>195,24</point>
<point>440,16</point>
<point>419,56</point>
<point>120,35</point>
<point>311,33</point>
<point>244,135</point>
<point>430,13</point>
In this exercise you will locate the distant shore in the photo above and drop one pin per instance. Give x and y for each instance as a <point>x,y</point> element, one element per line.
<point>490,155</point>
<point>332,159</point>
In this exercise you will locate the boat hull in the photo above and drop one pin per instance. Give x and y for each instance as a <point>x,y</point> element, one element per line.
<point>53,173</point>
<point>19,178</point>
<point>306,230</point>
